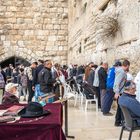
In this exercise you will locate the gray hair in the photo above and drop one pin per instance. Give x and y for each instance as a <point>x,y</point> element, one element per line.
<point>129,85</point>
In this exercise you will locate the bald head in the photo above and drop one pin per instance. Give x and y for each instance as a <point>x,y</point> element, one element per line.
<point>48,64</point>
<point>105,65</point>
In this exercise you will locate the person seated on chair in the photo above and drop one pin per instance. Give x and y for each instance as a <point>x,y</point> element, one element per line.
<point>9,97</point>
<point>128,99</point>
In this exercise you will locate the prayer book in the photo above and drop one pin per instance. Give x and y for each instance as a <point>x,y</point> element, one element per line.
<point>13,110</point>
<point>6,119</point>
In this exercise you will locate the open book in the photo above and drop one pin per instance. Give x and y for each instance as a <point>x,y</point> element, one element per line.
<point>6,119</point>
<point>45,96</point>
<point>13,110</point>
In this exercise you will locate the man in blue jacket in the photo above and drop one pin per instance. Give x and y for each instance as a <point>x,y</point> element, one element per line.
<point>109,95</point>
<point>128,99</point>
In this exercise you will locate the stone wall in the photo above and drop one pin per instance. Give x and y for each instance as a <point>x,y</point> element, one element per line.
<point>81,31</point>
<point>124,44</point>
<point>34,29</point>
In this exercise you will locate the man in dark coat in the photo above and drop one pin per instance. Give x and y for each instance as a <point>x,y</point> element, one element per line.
<point>45,78</point>
<point>102,73</point>
<point>37,70</point>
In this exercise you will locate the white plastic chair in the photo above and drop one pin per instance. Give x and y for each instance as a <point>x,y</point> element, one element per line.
<point>68,92</point>
<point>82,97</point>
<point>91,100</point>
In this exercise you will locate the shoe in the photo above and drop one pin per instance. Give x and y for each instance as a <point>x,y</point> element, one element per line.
<point>108,114</point>
<point>117,124</point>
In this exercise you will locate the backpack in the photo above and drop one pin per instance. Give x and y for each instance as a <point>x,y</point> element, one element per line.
<point>23,80</point>
<point>111,78</point>
<point>2,82</point>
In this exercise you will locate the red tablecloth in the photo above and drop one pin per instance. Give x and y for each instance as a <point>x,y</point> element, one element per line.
<point>42,128</point>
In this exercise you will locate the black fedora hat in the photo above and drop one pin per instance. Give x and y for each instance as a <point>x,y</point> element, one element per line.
<point>33,109</point>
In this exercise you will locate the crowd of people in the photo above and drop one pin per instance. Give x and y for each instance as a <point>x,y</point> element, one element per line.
<point>42,77</point>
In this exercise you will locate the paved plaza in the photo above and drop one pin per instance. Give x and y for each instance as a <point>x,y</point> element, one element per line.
<point>90,125</point>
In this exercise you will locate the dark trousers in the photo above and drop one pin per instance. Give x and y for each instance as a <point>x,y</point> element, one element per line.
<point>31,92</point>
<point>99,96</point>
<point>119,115</point>
<point>102,95</point>
<point>108,100</point>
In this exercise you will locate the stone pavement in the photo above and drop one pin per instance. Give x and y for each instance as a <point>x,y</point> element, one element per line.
<point>94,126</point>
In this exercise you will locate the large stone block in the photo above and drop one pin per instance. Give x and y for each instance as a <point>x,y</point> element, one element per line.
<point>61,38</point>
<point>50,4</point>
<point>53,32</point>
<point>62,32</point>
<point>49,26</point>
<point>60,10</point>
<point>56,27</point>
<point>3,37</point>
<point>6,43</point>
<point>50,43</point>
<point>20,43</point>
<point>64,27</point>
<point>52,38</point>
<point>2,8</point>
<point>29,32</point>
<point>9,14</point>
<point>53,10</point>
<point>41,37</point>
<point>28,21</point>
<point>12,8</point>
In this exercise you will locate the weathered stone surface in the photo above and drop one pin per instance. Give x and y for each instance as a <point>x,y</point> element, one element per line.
<point>82,32</point>
<point>28,28</point>
<point>6,43</point>
<point>52,38</point>
<point>39,29</point>
<point>3,38</point>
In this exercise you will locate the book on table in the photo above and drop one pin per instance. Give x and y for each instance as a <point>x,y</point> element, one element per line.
<point>6,119</point>
<point>46,96</point>
<point>13,110</point>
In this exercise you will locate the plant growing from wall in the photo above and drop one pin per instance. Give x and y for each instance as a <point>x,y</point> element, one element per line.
<point>106,22</point>
<point>106,27</point>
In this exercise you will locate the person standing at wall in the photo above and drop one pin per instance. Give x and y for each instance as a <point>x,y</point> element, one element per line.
<point>96,84</point>
<point>109,95</point>
<point>102,73</point>
<point>120,80</point>
<point>30,72</point>
<point>22,81</point>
